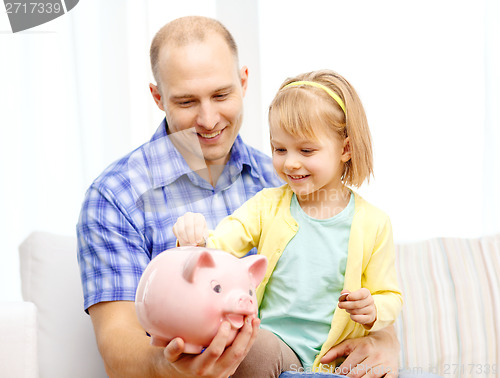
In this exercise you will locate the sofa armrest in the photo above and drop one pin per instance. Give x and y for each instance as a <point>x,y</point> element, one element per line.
<point>50,278</point>
<point>18,340</point>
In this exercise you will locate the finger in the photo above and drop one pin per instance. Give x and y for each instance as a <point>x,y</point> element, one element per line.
<point>366,370</point>
<point>179,233</point>
<point>183,229</point>
<point>208,360</point>
<point>201,230</point>
<point>391,373</point>
<point>205,232</point>
<point>354,358</point>
<point>362,319</point>
<point>218,344</point>
<point>343,295</point>
<point>195,225</point>
<point>359,294</point>
<point>351,304</point>
<point>174,349</point>
<point>343,349</point>
<point>253,329</point>
<point>368,310</point>
<point>176,228</point>
<point>242,343</point>
<point>188,228</point>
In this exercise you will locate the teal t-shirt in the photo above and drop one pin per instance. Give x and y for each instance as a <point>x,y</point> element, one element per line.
<point>303,291</point>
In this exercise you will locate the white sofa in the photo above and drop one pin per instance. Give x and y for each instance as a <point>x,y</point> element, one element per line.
<point>64,344</point>
<point>450,324</point>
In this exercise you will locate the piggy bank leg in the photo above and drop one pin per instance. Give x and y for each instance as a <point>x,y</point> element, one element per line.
<point>158,341</point>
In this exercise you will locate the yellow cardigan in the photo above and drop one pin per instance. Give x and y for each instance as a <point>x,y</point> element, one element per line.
<point>265,222</point>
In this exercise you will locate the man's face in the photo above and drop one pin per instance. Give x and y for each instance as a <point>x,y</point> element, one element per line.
<point>202,95</point>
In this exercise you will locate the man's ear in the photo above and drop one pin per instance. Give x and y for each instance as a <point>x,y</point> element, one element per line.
<point>244,79</point>
<point>155,92</point>
<point>346,152</point>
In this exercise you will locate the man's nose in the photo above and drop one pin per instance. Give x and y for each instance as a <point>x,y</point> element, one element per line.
<point>208,115</point>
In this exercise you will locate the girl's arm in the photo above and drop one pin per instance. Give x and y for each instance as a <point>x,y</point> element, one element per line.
<point>380,277</point>
<point>237,233</point>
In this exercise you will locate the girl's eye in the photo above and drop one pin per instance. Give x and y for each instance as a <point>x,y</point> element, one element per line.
<point>279,150</point>
<point>307,151</point>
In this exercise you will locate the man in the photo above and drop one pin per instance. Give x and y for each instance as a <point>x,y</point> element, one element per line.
<point>195,162</point>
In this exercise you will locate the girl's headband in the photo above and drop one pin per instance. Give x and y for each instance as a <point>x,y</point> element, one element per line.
<point>332,94</point>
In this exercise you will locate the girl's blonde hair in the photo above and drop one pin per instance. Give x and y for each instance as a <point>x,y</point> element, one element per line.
<point>300,109</point>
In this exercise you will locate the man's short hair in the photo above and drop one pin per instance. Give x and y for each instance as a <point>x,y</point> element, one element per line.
<point>183,31</point>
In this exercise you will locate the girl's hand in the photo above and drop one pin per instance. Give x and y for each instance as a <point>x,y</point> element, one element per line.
<point>191,229</point>
<point>360,305</point>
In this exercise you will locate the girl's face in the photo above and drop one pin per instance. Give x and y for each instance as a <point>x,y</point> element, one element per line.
<point>310,166</point>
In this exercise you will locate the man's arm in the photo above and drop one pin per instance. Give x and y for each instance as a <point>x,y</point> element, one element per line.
<point>378,351</point>
<point>126,350</point>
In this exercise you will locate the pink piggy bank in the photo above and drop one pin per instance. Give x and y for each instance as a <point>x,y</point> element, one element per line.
<point>187,292</point>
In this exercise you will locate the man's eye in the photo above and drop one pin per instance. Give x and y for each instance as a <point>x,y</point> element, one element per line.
<point>221,96</point>
<point>184,103</point>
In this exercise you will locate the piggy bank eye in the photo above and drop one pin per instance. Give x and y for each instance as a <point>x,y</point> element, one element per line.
<point>250,291</point>
<point>216,286</point>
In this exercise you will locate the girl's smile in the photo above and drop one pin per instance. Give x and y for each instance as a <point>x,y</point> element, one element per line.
<point>313,167</point>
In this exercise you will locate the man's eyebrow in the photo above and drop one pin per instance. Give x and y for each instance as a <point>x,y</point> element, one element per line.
<point>188,95</point>
<point>225,88</point>
<point>181,96</point>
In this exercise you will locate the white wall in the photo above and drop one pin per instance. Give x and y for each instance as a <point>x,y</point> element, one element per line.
<point>419,68</point>
<point>74,97</point>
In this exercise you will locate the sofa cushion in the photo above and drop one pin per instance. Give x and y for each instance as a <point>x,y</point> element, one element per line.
<point>50,278</point>
<point>449,323</point>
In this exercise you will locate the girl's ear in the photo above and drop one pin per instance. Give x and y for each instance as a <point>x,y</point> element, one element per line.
<point>346,152</point>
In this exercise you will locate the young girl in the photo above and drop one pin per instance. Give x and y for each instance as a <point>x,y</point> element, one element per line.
<point>331,272</point>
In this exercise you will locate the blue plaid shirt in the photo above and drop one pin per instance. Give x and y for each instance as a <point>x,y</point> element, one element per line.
<point>129,210</point>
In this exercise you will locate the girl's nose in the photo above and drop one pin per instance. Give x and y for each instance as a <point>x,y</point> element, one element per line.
<point>292,162</point>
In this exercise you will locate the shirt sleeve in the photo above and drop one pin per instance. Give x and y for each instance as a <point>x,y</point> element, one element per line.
<point>112,253</point>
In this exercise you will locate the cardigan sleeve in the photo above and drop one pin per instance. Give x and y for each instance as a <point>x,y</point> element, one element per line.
<point>239,232</point>
<point>380,276</point>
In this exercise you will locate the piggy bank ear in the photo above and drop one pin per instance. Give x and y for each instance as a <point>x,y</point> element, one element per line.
<point>257,265</point>
<point>197,260</point>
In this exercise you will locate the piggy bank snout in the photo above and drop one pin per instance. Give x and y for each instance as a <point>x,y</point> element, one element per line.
<point>241,304</point>
<point>237,308</point>
<point>245,305</point>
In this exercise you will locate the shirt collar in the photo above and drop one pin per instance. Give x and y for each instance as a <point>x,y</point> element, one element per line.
<point>166,164</point>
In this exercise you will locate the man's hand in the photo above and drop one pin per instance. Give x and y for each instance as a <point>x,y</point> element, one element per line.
<point>375,355</point>
<point>127,351</point>
<point>191,229</point>
<point>216,360</point>
<point>360,305</point>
